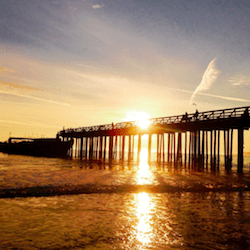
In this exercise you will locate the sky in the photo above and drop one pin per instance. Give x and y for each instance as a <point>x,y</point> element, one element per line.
<point>79,63</point>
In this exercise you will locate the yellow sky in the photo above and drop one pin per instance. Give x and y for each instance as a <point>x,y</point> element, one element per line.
<point>39,98</point>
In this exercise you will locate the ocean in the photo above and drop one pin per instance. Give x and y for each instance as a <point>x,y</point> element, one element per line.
<point>51,203</point>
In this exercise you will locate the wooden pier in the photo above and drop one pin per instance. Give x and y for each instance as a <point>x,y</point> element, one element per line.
<point>190,140</point>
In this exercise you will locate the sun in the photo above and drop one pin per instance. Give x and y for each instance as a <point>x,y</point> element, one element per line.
<point>141,118</point>
<point>143,123</point>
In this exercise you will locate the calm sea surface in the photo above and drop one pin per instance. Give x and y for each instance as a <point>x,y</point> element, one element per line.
<point>68,204</point>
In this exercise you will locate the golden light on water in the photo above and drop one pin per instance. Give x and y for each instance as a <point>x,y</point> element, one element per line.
<point>144,174</point>
<point>144,228</point>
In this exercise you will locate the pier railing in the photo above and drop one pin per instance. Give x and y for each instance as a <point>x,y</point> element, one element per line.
<point>197,117</point>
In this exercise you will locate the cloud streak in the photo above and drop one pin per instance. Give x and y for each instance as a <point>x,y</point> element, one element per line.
<point>4,69</point>
<point>208,78</point>
<point>239,81</point>
<point>216,96</point>
<point>8,86</point>
<point>29,124</point>
<point>97,6</point>
<point>34,98</point>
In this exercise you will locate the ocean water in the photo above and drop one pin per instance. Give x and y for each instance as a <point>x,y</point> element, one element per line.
<point>69,204</point>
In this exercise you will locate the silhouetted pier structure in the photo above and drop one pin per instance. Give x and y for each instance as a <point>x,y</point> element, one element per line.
<point>189,140</point>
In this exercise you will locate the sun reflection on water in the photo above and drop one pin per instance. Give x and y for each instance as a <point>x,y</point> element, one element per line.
<point>144,228</point>
<point>144,174</point>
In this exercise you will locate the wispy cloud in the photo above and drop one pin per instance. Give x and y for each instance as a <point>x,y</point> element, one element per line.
<point>239,80</point>
<point>208,78</point>
<point>87,66</point>
<point>226,98</point>
<point>34,98</point>
<point>23,91</point>
<point>216,96</point>
<point>29,124</point>
<point>97,6</point>
<point>9,86</point>
<point>4,69</point>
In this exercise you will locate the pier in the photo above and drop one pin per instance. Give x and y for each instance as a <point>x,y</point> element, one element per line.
<point>195,141</point>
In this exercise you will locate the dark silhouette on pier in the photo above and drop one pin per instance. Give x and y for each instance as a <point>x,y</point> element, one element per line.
<point>192,140</point>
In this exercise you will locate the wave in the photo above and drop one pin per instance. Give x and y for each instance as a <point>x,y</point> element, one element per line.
<point>52,190</point>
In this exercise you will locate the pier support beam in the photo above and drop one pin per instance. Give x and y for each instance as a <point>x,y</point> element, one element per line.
<point>169,143</point>
<point>185,158</point>
<point>149,147</point>
<point>81,148</point>
<point>190,149</point>
<point>163,148</point>
<point>139,147</point>
<point>111,141</point>
<point>91,148</point>
<point>76,145</point>
<point>218,152</point>
<point>211,150</point>
<point>115,147</point>
<point>206,150</point>
<point>203,150</point>
<point>240,150</point>
<point>179,150</point>
<point>129,148</point>
<point>123,147</point>
<point>174,151</point>
<point>105,148</point>
<point>100,147</point>
<point>86,148</point>
<point>231,149</point>
<point>158,147</point>
<point>214,158</point>
<point>133,144</point>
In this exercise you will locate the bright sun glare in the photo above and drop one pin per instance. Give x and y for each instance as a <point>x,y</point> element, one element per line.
<point>142,118</point>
